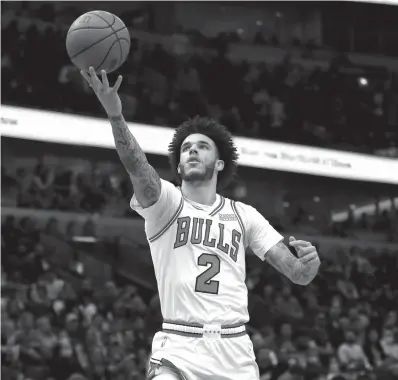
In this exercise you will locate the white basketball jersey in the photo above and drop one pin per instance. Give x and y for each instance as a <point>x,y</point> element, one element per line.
<point>198,254</point>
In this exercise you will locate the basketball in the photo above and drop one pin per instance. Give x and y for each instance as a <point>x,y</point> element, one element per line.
<point>98,39</point>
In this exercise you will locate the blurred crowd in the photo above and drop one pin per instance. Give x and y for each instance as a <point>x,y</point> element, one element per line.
<point>78,187</point>
<point>103,188</point>
<point>58,324</point>
<point>282,101</point>
<point>344,323</point>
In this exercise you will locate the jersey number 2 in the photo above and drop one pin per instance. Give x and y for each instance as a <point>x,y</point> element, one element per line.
<point>204,282</point>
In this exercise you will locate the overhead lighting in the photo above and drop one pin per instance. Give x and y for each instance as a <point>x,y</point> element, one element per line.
<point>363,81</point>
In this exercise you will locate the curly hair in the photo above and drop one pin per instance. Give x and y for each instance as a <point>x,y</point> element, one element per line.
<point>221,137</point>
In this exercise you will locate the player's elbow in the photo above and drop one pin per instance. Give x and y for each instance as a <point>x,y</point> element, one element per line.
<point>147,188</point>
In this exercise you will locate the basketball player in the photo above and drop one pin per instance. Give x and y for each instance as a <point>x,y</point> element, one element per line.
<point>198,240</point>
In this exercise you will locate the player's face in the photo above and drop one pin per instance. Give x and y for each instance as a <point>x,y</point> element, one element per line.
<point>198,159</point>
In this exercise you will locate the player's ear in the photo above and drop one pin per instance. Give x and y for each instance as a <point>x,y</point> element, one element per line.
<point>178,169</point>
<point>220,165</point>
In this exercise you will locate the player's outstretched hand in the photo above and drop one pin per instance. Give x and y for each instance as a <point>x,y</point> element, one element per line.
<point>306,252</point>
<point>107,95</point>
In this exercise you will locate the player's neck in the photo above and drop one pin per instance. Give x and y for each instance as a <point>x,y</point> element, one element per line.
<point>204,193</point>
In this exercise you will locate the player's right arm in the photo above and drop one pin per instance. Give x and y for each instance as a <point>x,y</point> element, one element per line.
<point>145,180</point>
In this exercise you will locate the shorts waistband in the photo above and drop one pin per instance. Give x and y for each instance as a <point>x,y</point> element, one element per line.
<point>211,330</point>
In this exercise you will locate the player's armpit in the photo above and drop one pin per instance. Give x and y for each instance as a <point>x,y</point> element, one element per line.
<point>280,257</point>
<point>145,180</point>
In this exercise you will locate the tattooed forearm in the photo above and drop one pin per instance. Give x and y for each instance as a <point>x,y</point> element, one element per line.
<point>129,151</point>
<point>280,257</point>
<point>146,181</point>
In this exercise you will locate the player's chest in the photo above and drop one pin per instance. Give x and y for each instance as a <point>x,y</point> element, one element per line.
<point>220,232</point>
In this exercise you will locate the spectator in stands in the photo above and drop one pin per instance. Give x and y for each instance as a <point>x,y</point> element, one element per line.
<point>373,349</point>
<point>324,348</point>
<point>141,335</point>
<point>54,285</point>
<point>351,355</point>
<point>25,259</point>
<point>347,288</point>
<point>107,297</point>
<point>389,339</point>
<point>52,228</point>
<point>30,356</point>
<point>40,302</point>
<point>71,230</point>
<point>143,359</point>
<point>359,322</point>
<point>390,324</point>
<point>189,88</point>
<point>285,345</point>
<point>71,357</point>
<point>100,330</point>
<point>267,362</point>
<point>88,310</point>
<point>46,337</point>
<point>29,235</point>
<point>312,306</point>
<point>9,232</point>
<point>288,305</point>
<point>42,182</point>
<point>63,181</point>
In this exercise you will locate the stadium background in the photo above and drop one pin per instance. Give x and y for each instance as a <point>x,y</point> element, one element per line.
<point>78,292</point>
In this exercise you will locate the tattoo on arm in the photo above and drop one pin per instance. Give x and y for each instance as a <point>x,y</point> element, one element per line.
<point>146,181</point>
<point>280,257</point>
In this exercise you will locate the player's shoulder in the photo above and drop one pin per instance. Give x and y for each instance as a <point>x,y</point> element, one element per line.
<point>169,191</point>
<point>168,184</point>
<point>244,210</point>
<point>170,196</point>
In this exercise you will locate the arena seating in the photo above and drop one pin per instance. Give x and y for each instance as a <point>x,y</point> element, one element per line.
<point>56,322</point>
<point>90,186</point>
<point>283,102</point>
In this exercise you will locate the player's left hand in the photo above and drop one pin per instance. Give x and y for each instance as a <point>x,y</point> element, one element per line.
<point>306,252</point>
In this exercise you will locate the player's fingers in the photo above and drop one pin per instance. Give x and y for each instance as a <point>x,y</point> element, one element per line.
<point>300,243</point>
<point>292,238</point>
<point>117,84</point>
<point>96,83</point>
<point>105,82</point>
<point>305,251</point>
<point>309,258</point>
<point>86,77</point>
